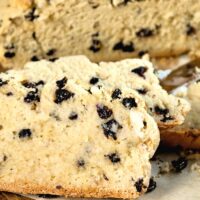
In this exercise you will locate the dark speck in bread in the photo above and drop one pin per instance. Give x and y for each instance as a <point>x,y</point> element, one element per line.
<point>116,94</point>
<point>124,47</point>
<point>73,116</point>
<point>129,102</point>
<point>94,80</point>
<point>114,157</point>
<point>140,71</point>
<point>110,128</point>
<point>62,95</point>
<point>103,111</point>
<point>139,185</point>
<point>61,83</point>
<point>25,133</point>
<point>9,54</point>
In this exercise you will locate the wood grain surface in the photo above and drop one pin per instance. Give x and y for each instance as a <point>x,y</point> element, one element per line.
<point>10,196</point>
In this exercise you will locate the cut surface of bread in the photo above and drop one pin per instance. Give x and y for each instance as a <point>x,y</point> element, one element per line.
<point>104,30</point>
<point>187,135</point>
<point>58,138</point>
<point>135,74</point>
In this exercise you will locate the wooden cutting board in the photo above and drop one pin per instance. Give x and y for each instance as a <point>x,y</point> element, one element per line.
<point>10,196</point>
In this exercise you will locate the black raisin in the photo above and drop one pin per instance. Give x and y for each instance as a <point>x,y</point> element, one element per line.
<point>144,32</point>
<point>9,94</point>
<point>61,83</point>
<point>103,111</point>
<point>31,16</point>
<point>81,163</point>
<point>179,164</point>
<point>129,102</point>
<point>73,116</point>
<point>190,30</point>
<point>141,91</point>
<point>139,185</point>
<point>96,45</point>
<point>62,95</point>
<point>114,157</point>
<point>31,97</point>
<point>161,111</point>
<point>110,128</point>
<point>140,71</point>
<point>3,82</point>
<point>94,80</point>
<point>9,54</point>
<point>152,185</point>
<point>116,94</point>
<point>51,52</point>
<point>34,58</point>
<point>48,196</point>
<point>124,47</point>
<point>25,133</point>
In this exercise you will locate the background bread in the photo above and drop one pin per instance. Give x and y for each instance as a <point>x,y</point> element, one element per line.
<point>187,135</point>
<point>104,30</point>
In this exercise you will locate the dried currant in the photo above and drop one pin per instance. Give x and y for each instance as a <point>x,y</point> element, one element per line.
<point>25,133</point>
<point>116,94</point>
<point>140,71</point>
<point>62,95</point>
<point>129,102</point>
<point>103,111</point>
<point>110,128</point>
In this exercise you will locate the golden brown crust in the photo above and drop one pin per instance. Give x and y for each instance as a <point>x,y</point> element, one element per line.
<point>187,139</point>
<point>24,187</point>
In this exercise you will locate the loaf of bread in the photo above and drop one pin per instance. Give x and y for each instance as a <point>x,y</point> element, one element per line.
<point>187,135</point>
<point>104,30</point>
<point>57,137</point>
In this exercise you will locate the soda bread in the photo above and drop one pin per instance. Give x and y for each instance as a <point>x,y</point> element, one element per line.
<point>187,135</point>
<point>135,74</point>
<point>104,30</point>
<point>56,137</point>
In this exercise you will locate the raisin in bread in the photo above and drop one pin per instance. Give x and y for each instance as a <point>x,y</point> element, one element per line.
<point>187,135</point>
<point>135,74</point>
<point>101,29</point>
<point>58,138</point>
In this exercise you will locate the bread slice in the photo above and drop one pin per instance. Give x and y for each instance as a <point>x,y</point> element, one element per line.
<point>135,74</point>
<point>58,138</point>
<point>187,135</point>
<point>105,30</point>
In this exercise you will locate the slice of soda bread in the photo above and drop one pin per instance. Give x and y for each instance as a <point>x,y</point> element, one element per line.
<point>56,137</point>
